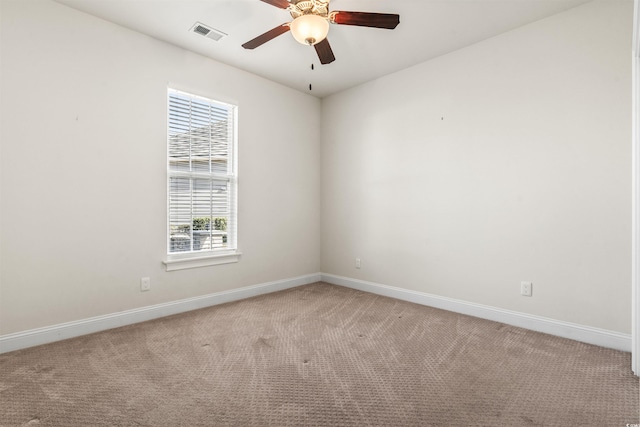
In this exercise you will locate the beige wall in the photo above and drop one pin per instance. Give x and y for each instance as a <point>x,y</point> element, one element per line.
<point>83,152</point>
<point>505,161</point>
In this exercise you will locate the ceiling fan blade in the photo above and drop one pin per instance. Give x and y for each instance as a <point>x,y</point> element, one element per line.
<point>366,19</point>
<point>323,49</point>
<point>282,4</point>
<point>269,35</point>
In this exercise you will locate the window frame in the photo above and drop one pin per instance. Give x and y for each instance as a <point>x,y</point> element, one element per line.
<point>212,256</point>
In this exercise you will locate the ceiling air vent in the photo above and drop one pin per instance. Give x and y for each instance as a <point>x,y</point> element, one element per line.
<point>204,30</point>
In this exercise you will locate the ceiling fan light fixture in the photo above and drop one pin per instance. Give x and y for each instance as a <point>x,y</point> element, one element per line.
<point>309,29</point>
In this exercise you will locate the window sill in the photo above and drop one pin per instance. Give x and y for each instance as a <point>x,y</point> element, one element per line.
<point>183,262</point>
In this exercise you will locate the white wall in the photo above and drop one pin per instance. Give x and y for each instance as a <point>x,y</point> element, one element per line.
<point>83,184</point>
<point>505,161</point>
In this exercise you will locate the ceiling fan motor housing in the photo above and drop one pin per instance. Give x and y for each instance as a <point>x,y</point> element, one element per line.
<point>309,7</point>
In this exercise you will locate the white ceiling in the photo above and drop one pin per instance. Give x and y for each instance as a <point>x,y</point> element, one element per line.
<point>428,28</point>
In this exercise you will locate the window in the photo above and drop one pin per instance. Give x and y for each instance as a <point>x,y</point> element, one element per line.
<point>201,182</point>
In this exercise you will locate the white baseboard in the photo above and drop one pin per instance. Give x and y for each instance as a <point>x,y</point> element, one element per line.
<point>77,328</point>
<point>63,331</point>
<point>587,334</point>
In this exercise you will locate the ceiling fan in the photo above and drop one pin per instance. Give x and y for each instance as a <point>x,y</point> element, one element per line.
<point>311,20</point>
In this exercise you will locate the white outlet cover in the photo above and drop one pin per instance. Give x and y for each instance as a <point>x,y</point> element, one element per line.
<point>526,289</point>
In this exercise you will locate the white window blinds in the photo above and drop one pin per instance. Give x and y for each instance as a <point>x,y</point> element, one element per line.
<point>201,174</point>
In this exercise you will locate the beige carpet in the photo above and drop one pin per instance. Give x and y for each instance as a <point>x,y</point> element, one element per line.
<point>318,355</point>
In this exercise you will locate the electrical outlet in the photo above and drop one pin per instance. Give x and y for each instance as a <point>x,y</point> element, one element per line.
<point>526,289</point>
<point>358,263</point>
<point>145,284</point>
